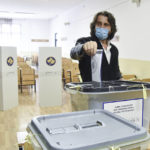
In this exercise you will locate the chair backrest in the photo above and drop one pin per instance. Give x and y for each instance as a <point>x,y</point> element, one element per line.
<point>75,73</point>
<point>145,80</point>
<point>75,69</point>
<point>28,76</point>
<point>129,77</point>
<point>23,65</point>
<point>20,59</point>
<point>66,63</point>
<point>67,69</point>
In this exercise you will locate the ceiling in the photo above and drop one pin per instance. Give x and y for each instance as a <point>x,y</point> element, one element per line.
<point>40,9</point>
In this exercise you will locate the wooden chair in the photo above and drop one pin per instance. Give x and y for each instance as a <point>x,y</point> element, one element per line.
<point>27,78</point>
<point>145,80</point>
<point>20,59</point>
<point>130,77</point>
<point>75,73</point>
<point>23,65</point>
<point>19,76</point>
<point>66,70</point>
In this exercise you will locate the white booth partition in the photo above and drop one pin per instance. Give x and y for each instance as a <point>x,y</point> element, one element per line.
<point>8,78</point>
<point>50,84</point>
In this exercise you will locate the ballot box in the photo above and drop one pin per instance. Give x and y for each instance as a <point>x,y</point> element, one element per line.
<point>86,130</point>
<point>128,99</point>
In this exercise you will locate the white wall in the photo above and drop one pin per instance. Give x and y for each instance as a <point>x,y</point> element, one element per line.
<point>134,30</point>
<point>32,29</point>
<point>133,26</point>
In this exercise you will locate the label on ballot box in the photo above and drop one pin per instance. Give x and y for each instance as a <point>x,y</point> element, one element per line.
<point>131,109</point>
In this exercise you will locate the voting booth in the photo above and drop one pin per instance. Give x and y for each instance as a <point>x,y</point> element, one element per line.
<point>8,78</point>
<point>50,85</point>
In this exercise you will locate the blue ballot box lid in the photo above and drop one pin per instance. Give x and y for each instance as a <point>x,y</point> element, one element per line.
<point>84,130</point>
<point>106,86</point>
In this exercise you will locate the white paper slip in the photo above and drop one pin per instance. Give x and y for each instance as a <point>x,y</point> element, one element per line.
<point>96,62</point>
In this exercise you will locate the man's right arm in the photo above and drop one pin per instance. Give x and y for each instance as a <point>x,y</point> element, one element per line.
<point>83,47</point>
<point>77,52</point>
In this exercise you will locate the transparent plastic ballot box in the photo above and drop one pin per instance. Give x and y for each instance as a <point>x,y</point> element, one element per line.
<point>128,99</point>
<point>86,130</point>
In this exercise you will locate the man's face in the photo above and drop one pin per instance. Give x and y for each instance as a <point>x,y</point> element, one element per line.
<point>102,22</point>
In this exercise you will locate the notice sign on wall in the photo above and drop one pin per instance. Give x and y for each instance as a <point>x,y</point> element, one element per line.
<point>129,109</point>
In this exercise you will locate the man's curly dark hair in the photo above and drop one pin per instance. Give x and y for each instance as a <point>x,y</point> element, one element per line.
<point>111,20</point>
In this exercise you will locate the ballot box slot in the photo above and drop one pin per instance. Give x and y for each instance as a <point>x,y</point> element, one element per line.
<point>74,128</point>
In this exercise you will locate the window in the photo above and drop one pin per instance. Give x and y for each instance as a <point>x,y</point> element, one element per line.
<point>10,34</point>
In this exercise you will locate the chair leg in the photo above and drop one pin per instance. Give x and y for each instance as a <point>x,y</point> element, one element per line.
<point>64,82</point>
<point>21,88</point>
<point>35,86</point>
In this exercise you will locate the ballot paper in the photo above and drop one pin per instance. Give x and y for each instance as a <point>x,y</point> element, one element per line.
<point>96,62</point>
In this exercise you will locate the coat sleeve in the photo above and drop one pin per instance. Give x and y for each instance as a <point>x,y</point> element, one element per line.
<point>77,52</point>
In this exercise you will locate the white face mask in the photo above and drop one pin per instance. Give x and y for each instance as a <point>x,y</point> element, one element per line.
<point>101,33</point>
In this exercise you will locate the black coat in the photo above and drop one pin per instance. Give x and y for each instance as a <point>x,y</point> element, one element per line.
<point>108,71</point>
